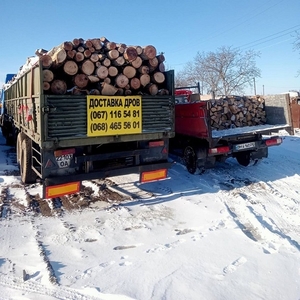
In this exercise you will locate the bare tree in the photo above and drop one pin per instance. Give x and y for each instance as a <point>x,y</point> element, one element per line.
<point>226,71</point>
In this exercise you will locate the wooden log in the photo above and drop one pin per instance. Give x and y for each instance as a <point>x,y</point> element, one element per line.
<point>81,80</point>
<point>135,83</point>
<point>88,67</point>
<point>144,79</point>
<point>46,61</point>
<point>88,44</point>
<point>97,44</point>
<point>113,54</point>
<point>80,49</point>
<point>103,39</point>
<point>138,49</point>
<point>48,75</point>
<point>79,57</point>
<point>87,53</point>
<point>130,54</point>
<point>152,89</point>
<point>46,86</point>
<point>120,61</point>
<point>108,89</point>
<point>161,67</point>
<point>92,49</point>
<point>112,71</point>
<point>153,63</point>
<point>127,92</point>
<point>40,52</point>
<point>144,69</point>
<point>58,55</point>
<point>137,62</point>
<point>158,77</point>
<point>110,46</point>
<point>129,71</point>
<point>70,67</point>
<point>94,57</point>
<point>93,78</point>
<point>107,62</point>
<point>102,72</point>
<point>121,80</point>
<point>107,80</point>
<point>149,52</point>
<point>120,92</point>
<point>77,42</point>
<point>68,46</point>
<point>58,87</point>
<point>161,58</point>
<point>121,49</point>
<point>71,54</point>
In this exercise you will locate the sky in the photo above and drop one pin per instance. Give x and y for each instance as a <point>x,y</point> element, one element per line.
<point>232,233</point>
<point>179,29</point>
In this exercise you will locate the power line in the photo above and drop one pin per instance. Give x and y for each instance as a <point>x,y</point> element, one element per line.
<point>245,20</point>
<point>266,39</point>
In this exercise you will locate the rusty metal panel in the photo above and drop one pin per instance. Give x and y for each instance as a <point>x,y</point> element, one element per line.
<point>295,111</point>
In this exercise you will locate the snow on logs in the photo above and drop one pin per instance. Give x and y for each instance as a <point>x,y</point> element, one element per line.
<point>101,67</point>
<point>235,111</point>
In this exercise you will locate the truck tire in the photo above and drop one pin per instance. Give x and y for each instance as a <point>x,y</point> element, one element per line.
<point>27,174</point>
<point>190,159</point>
<point>243,158</point>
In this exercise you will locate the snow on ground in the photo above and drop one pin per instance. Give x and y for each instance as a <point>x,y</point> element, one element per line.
<point>231,233</point>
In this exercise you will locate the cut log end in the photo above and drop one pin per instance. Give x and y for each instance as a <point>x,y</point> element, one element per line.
<point>58,87</point>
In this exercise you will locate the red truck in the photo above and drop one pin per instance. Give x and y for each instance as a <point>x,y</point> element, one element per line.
<point>201,147</point>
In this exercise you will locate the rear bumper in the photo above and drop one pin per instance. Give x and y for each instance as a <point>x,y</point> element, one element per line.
<point>106,173</point>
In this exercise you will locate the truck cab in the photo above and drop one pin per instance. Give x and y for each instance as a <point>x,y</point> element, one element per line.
<point>5,124</point>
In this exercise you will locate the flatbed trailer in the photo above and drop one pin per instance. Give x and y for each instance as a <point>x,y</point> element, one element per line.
<point>201,147</point>
<point>62,140</point>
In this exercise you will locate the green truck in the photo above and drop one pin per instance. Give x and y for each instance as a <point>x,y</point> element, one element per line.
<point>62,140</point>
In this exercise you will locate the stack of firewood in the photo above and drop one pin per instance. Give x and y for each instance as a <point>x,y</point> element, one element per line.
<point>100,67</point>
<point>234,111</point>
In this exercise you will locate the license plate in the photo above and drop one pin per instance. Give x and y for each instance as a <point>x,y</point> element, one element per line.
<point>244,146</point>
<point>64,161</point>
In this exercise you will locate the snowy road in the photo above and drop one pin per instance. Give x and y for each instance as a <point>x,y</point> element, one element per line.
<point>231,233</point>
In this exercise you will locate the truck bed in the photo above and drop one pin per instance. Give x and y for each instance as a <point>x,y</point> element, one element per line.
<point>262,129</point>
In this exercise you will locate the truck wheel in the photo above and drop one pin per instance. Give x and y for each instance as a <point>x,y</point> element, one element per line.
<point>190,159</point>
<point>27,174</point>
<point>243,158</point>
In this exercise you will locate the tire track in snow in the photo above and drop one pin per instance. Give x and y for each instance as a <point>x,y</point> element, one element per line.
<point>265,222</point>
<point>59,292</point>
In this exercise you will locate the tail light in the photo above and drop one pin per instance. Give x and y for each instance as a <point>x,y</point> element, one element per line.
<point>156,144</point>
<point>219,150</point>
<point>272,142</point>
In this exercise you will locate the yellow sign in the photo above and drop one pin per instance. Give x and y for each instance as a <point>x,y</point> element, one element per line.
<point>113,115</point>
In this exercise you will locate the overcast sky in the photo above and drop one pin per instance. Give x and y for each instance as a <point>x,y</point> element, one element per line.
<point>180,29</point>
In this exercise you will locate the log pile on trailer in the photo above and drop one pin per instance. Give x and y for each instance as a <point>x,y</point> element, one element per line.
<point>101,67</point>
<point>235,111</point>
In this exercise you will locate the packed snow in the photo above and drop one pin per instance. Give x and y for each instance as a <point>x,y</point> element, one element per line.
<point>230,233</point>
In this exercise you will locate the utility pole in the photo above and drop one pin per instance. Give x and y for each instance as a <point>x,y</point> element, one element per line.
<point>254,86</point>
<point>263,89</point>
